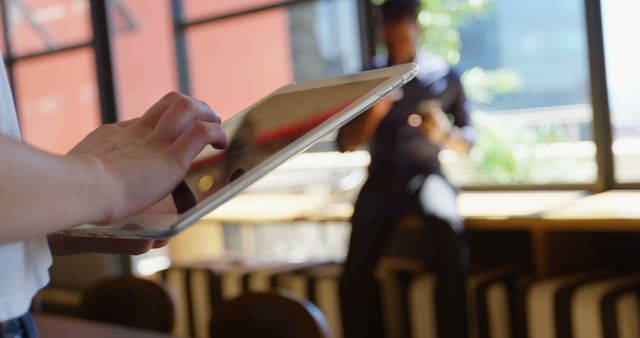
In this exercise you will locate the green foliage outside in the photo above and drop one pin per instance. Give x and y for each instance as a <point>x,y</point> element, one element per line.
<point>501,155</point>
<point>440,21</point>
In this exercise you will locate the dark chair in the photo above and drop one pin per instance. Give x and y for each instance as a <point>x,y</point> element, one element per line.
<point>268,315</point>
<point>130,301</point>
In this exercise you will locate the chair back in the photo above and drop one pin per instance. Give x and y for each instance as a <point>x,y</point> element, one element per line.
<point>130,301</point>
<point>268,315</point>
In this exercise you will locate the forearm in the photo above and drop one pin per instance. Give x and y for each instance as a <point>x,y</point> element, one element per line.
<point>358,131</point>
<point>41,193</point>
<point>459,139</point>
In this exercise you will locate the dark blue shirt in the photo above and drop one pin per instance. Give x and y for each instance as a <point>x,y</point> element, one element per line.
<point>400,151</point>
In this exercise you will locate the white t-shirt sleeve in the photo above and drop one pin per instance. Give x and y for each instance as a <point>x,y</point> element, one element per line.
<point>23,265</point>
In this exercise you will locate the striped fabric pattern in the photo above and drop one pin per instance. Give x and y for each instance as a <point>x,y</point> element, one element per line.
<point>502,302</point>
<point>200,287</point>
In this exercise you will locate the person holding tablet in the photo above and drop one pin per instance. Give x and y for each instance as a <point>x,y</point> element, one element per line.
<point>117,170</point>
<point>406,132</point>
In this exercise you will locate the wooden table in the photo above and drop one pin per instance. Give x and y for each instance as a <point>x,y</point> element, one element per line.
<point>560,222</point>
<point>563,226</point>
<point>616,210</point>
<point>49,326</point>
<point>484,210</point>
<point>511,210</point>
<point>280,208</point>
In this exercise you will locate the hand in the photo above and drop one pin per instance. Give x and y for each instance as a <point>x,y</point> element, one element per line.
<point>436,126</point>
<point>364,126</point>
<point>382,107</point>
<point>62,245</point>
<point>138,162</point>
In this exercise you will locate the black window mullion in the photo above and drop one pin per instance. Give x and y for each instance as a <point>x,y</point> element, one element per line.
<point>5,31</point>
<point>367,34</point>
<point>104,70</point>
<point>184,82</point>
<point>106,87</point>
<point>602,134</point>
<point>8,48</point>
<point>254,10</point>
<point>33,55</point>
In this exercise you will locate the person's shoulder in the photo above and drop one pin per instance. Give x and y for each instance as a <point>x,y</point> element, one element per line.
<point>377,62</point>
<point>431,67</point>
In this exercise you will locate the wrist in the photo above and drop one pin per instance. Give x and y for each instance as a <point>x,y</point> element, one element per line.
<point>91,182</point>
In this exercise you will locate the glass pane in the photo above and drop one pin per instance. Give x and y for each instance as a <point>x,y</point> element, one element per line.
<point>325,39</point>
<point>525,71</point>
<point>143,54</point>
<point>198,9</point>
<point>235,62</point>
<point>57,99</point>
<point>623,80</point>
<point>2,40</point>
<point>41,25</point>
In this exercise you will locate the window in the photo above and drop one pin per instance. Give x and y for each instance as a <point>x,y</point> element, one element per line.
<point>46,25</point>
<point>623,81</point>
<point>143,52</point>
<point>232,64</point>
<point>57,99</point>
<point>199,9</point>
<point>53,68</point>
<point>525,68</point>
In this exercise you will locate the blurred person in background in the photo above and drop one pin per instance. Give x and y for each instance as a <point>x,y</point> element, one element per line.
<point>116,171</point>
<point>406,131</point>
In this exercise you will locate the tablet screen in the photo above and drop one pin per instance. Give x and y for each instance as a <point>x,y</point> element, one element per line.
<point>254,136</point>
<point>266,129</point>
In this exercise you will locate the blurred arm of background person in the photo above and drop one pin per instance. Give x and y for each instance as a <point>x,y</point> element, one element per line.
<point>439,129</point>
<point>116,171</point>
<point>362,128</point>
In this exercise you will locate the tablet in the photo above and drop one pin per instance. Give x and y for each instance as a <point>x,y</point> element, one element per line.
<point>262,137</point>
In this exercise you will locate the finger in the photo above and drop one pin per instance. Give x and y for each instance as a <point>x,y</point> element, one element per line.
<point>182,113</point>
<point>127,123</point>
<point>190,143</point>
<point>159,243</point>
<point>216,115</point>
<point>153,115</point>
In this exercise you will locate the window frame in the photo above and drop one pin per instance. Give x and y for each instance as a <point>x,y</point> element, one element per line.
<point>101,45</point>
<point>181,25</point>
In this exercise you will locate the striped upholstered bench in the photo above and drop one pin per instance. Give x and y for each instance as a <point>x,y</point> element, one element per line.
<point>199,287</point>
